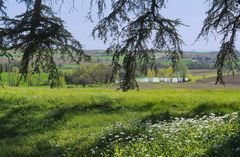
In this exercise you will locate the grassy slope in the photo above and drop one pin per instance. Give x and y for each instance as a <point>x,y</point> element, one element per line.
<point>44,122</point>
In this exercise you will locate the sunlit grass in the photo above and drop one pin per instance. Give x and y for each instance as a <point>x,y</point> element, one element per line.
<point>58,122</point>
<point>206,136</point>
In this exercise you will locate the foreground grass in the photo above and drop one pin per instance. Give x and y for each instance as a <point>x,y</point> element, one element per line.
<point>206,136</point>
<point>70,122</point>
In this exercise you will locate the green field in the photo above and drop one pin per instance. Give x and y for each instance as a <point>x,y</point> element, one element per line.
<point>36,79</point>
<point>182,61</point>
<point>101,122</point>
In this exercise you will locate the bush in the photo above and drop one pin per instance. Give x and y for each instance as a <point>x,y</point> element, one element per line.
<point>90,74</point>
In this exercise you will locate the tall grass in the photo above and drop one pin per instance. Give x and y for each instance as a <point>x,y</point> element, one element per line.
<point>206,136</point>
<point>69,122</point>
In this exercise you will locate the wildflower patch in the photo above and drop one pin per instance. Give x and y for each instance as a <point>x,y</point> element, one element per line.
<point>200,136</point>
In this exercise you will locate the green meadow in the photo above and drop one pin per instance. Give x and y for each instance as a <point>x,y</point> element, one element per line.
<point>119,78</point>
<point>79,121</point>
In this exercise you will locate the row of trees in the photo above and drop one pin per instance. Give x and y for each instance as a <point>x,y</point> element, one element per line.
<point>84,75</point>
<point>102,73</point>
<point>131,25</point>
<point>168,72</point>
<point>89,74</point>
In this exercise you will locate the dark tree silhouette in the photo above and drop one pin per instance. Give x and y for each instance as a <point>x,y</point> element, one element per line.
<point>137,30</point>
<point>39,35</point>
<point>2,7</point>
<point>223,17</point>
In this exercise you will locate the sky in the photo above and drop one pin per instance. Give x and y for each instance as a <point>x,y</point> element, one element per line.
<point>191,12</point>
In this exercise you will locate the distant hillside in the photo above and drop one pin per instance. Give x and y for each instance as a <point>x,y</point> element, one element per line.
<point>95,52</point>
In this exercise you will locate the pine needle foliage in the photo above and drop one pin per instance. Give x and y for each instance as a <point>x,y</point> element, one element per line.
<point>39,35</point>
<point>137,31</point>
<point>2,7</point>
<point>223,18</point>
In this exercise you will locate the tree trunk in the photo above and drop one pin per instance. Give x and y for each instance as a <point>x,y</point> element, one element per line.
<point>37,15</point>
<point>31,48</point>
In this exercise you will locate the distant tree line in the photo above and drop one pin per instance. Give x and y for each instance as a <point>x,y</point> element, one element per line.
<point>39,34</point>
<point>89,74</point>
<point>10,75</point>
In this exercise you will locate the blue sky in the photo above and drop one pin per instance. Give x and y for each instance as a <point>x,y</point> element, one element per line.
<point>191,12</point>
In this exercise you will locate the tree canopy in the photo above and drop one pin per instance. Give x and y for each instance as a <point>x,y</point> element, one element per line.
<point>223,18</point>
<point>133,24</point>
<point>39,35</point>
<point>136,29</point>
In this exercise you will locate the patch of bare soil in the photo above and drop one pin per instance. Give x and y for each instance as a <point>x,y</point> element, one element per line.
<point>208,83</point>
<point>230,82</point>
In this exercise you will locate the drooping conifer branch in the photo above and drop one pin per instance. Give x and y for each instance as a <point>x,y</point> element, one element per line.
<point>39,35</point>
<point>137,30</point>
<point>223,17</point>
